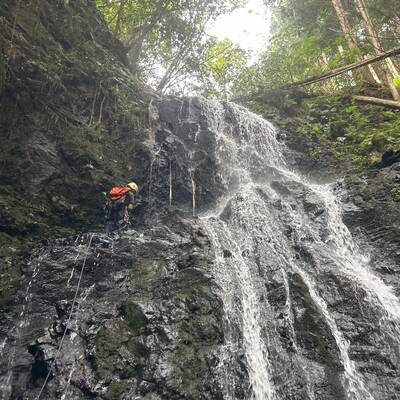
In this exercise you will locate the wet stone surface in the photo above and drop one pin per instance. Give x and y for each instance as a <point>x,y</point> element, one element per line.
<point>146,323</point>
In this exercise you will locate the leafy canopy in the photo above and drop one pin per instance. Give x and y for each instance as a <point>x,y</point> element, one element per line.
<point>165,40</point>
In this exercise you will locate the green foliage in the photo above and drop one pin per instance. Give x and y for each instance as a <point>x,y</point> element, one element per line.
<point>396,82</point>
<point>362,133</point>
<point>167,44</point>
<point>224,63</point>
<point>307,40</point>
<point>8,278</point>
<point>292,58</point>
<point>300,46</point>
<point>165,39</point>
<point>395,192</point>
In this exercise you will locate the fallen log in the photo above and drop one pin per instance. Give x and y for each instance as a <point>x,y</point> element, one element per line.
<point>338,71</point>
<point>331,74</point>
<point>378,102</point>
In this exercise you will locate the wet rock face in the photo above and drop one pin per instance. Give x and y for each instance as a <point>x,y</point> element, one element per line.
<point>73,119</point>
<point>188,135</point>
<point>290,268</point>
<point>266,296</point>
<point>146,324</point>
<point>185,148</point>
<point>372,212</point>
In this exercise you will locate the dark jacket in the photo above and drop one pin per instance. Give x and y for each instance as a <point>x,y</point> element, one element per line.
<point>130,199</point>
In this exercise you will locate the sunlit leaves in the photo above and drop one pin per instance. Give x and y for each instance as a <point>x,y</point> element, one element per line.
<point>224,63</point>
<point>164,38</point>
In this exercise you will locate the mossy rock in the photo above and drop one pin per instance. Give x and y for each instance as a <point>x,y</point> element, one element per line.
<point>117,389</point>
<point>145,274</point>
<point>134,318</point>
<point>74,120</point>
<point>138,349</point>
<point>9,277</point>
<point>395,192</point>
<point>118,339</point>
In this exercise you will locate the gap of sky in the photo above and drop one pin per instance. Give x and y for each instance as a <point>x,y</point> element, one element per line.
<point>248,26</point>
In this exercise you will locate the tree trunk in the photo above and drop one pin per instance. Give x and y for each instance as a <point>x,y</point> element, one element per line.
<point>396,26</point>
<point>390,69</point>
<point>378,102</point>
<point>350,73</point>
<point>134,45</point>
<point>396,32</point>
<point>351,40</point>
<point>344,23</point>
<point>374,74</point>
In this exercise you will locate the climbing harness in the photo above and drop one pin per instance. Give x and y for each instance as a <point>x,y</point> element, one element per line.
<point>68,321</point>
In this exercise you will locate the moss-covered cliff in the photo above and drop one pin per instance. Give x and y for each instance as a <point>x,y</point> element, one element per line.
<point>73,120</point>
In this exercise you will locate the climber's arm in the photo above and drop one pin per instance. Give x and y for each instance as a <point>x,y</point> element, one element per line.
<point>131,201</point>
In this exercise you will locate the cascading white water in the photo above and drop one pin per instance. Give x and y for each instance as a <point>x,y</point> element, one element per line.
<point>356,264</point>
<point>263,198</point>
<point>237,275</point>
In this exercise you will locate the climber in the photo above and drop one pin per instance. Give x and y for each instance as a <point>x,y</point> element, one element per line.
<point>120,199</point>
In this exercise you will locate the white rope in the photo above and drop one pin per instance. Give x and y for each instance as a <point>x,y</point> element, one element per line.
<point>68,321</point>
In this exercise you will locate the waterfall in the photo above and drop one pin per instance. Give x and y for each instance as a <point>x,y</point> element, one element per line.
<point>272,221</point>
<point>250,287</point>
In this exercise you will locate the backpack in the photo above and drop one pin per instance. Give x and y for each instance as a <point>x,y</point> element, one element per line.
<point>118,194</point>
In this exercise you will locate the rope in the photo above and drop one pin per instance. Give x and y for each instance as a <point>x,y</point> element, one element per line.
<point>193,193</point>
<point>170,183</point>
<point>68,321</point>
